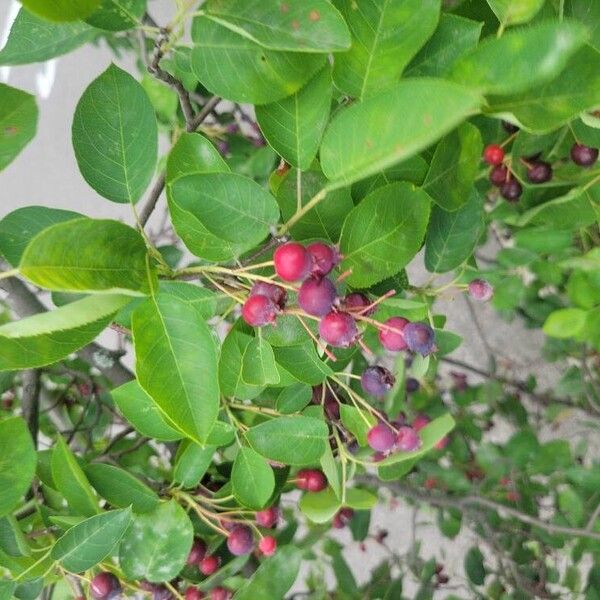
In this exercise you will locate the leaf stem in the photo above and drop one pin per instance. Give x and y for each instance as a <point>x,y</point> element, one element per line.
<point>302,211</point>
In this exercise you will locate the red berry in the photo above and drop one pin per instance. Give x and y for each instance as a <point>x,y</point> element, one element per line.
<point>513,496</point>
<point>316,296</point>
<point>324,258</point>
<point>493,154</point>
<point>420,421</point>
<point>240,540</point>
<point>197,552</point>
<point>274,292</point>
<point>104,586</point>
<point>377,381</point>
<point>498,175</point>
<point>268,517</point>
<point>209,564</point>
<point>441,444</point>
<point>338,329</point>
<point>430,483</point>
<point>221,593</point>
<point>584,156</point>
<point>342,518</point>
<point>381,437</point>
<point>358,303</point>
<point>311,480</point>
<point>193,593</point>
<point>511,190</point>
<point>268,545</point>
<point>419,338</point>
<point>407,439</point>
<point>479,289</point>
<point>259,310</point>
<point>391,335</point>
<point>292,261</point>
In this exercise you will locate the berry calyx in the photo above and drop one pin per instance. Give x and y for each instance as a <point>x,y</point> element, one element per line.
<point>240,540</point>
<point>358,303</point>
<point>381,438</point>
<point>209,564</point>
<point>419,338</point>
<point>197,553</point>
<point>268,545</point>
<point>104,586</point>
<point>407,439</point>
<point>539,172</point>
<point>493,154</point>
<point>316,296</point>
<point>193,593</point>
<point>338,329</point>
<point>324,258</point>
<point>480,289</point>
<point>499,175</point>
<point>259,310</point>
<point>268,518</point>
<point>342,518</point>
<point>292,261</point>
<point>377,381</point>
<point>221,593</point>
<point>391,335</point>
<point>311,480</point>
<point>511,190</point>
<point>584,156</point>
<point>274,292</point>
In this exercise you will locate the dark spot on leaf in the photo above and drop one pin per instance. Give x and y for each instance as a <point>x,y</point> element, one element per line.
<point>263,58</point>
<point>295,24</point>
<point>11,130</point>
<point>427,119</point>
<point>314,15</point>
<point>285,7</point>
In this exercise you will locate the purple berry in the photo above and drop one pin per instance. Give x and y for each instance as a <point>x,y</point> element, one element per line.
<point>511,190</point>
<point>274,292</point>
<point>338,329</point>
<point>539,172</point>
<point>358,303</point>
<point>391,335</point>
<point>259,310</point>
<point>377,381</point>
<point>498,175</point>
<point>324,258</point>
<point>104,585</point>
<point>381,438</point>
<point>584,156</point>
<point>292,261</point>
<point>407,439</point>
<point>420,338</point>
<point>240,540</point>
<point>412,385</point>
<point>480,289</point>
<point>197,553</point>
<point>316,296</point>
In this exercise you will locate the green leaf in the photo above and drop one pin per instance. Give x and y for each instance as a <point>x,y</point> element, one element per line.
<point>20,226</point>
<point>48,337</point>
<point>513,12</point>
<point>71,482</point>
<point>565,322</point>
<point>520,60</point>
<point>191,463</point>
<point>86,544</point>
<point>18,122</point>
<point>61,10</point>
<point>32,39</point>
<point>294,126</point>
<point>306,26</point>
<point>454,167</point>
<point>290,440</point>
<point>383,233</point>
<point>357,422</point>
<point>453,37</point>
<point>474,567</point>
<point>258,364</point>
<point>202,300</point>
<point>17,462</point>
<point>320,507</point>
<point>294,398</point>
<point>588,12</point>
<point>118,15</point>
<point>141,412</point>
<point>235,67</point>
<point>368,137</point>
<point>115,136</point>
<point>274,577</point>
<point>12,539</point>
<point>386,34</point>
<point>157,544</point>
<point>571,505</point>
<point>120,488</point>
<point>252,479</point>
<point>303,363</point>
<point>176,363</point>
<point>88,255</point>
<point>193,154</point>
<point>331,469</point>
<point>453,236</point>
<point>7,589</point>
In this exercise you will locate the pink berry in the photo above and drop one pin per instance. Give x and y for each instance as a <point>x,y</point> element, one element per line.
<point>391,335</point>
<point>274,292</point>
<point>209,564</point>
<point>240,540</point>
<point>342,518</point>
<point>338,329</point>
<point>311,480</point>
<point>381,438</point>
<point>324,258</point>
<point>316,296</point>
<point>292,261</point>
<point>193,593</point>
<point>493,154</point>
<point>441,444</point>
<point>268,517</point>
<point>407,439</point>
<point>419,338</point>
<point>104,586</point>
<point>377,381</point>
<point>221,593</point>
<point>197,552</point>
<point>268,545</point>
<point>259,310</point>
<point>479,289</point>
<point>358,303</point>
<point>420,421</point>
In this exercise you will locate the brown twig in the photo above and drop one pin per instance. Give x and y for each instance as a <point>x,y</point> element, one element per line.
<point>30,402</point>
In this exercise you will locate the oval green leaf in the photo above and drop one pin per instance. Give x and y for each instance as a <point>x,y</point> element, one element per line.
<point>191,462</point>
<point>18,122</point>
<point>192,154</point>
<point>61,10</point>
<point>258,364</point>
<point>252,479</point>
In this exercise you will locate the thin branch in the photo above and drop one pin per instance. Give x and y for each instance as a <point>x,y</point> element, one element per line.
<point>30,402</point>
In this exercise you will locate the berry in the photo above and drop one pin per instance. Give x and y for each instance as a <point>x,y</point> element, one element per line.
<point>338,329</point>
<point>584,156</point>
<point>509,127</point>
<point>357,302</point>
<point>511,190</point>
<point>274,292</point>
<point>381,438</point>
<point>240,540</point>
<point>197,552</point>
<point>221,593</point>
<point>268,517</point>
<point>479,289</point>
<point>160,592</point>
<point>441,444</point>
<point>420,338</point>
<point>324,258</point>
<point>391,335</point>
<point>539,172</point>
<point>342,518</point>
<point>104,585</point>
<point>316,296</point>
<point>193,593</point>
<point>513,496</point>
<point>259,310</point>
<point>498,175</point>
<point>332,409</point>
<point>407,439</point>
<point>493,154</point>
<point>377,381</point>
<point>209,564</point>
<point>430,483</point>
<point>268,545</point>
<point>292,261</point>
<point>420,421</point>
<point>311,480</point>
<point>412,385</point>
